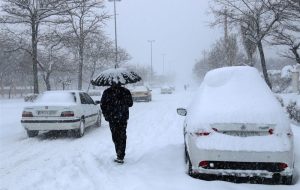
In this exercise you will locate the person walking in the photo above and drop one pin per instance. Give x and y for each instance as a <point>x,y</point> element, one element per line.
<point>115,103</point>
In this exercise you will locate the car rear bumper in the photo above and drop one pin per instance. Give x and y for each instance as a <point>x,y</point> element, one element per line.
<point>240,163</point>
<point>53,124</point>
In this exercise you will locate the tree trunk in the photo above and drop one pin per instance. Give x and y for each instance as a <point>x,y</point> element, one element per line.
<point>297,56</point>
<point>263,63</point>
<point>80,67</point>
<point>34,57</point>
<point>47,81</point>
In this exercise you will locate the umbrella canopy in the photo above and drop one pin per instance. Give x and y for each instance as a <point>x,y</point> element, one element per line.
<point>115,76</point>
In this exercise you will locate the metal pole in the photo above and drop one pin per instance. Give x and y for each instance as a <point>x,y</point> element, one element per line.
<point>116,40</point>
<point>163,63</point>
<point>151,74</point>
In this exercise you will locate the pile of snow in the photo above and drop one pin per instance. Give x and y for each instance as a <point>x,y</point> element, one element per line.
<point>55,98</point>
<point>234,95</point>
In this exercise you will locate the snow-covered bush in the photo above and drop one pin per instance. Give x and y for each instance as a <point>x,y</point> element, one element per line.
<point>30,97</point>
<point>280,82</point>
<point>294,111</point>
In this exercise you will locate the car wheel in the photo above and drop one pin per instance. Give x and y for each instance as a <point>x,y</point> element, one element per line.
<point>188,164</point>
<point>287,180</point>
<point>81,130</point>
<point>32,133</point>
<point>98,123</point>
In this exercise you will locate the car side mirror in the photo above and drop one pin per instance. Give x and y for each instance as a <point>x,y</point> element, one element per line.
<point>181,111</point>
<point>97,102</point>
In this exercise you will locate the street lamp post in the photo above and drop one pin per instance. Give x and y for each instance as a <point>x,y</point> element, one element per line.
<point>163,55</point>
<point>151,74</point>
<point>116,40</point>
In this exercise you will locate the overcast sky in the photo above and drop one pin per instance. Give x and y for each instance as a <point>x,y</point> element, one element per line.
<point>179,27</point>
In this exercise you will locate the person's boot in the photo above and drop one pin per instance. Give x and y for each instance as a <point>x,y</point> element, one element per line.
<point>118,160</point>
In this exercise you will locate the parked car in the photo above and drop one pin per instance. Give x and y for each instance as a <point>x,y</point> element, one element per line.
<point>61,110</point>
<point>141,93</point>
<point>166,90</point>
<point>236,129</point>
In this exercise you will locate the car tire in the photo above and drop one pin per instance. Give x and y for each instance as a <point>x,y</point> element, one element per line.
<point>32,133</point>
<point>188,164</point>
<point>287,180</point>
<point>98,123</point>
<point>80,132</point>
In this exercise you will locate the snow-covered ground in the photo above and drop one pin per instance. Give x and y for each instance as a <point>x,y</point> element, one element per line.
<point>154,157</point>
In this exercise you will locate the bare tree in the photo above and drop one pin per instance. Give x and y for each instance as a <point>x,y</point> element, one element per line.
<point>84,21</point>
<point>288,34</point>
<point>249,45</point>
<point>32,14</point>
<point>266,14</point>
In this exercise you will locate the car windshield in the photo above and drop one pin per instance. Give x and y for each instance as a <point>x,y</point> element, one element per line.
<point>56,97</point>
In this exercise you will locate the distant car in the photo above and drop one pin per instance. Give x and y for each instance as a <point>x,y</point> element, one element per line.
<point>236,129</point>
<point>141,93</point>
<point>166,90</point>
<point>61,110</point>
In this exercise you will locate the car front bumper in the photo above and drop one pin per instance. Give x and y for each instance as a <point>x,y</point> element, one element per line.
<point>51,124</point>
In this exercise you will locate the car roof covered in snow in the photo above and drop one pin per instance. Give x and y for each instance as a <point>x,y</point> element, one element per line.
<point>57,98</point>
<point>139,89</point>
<point>234,95</point>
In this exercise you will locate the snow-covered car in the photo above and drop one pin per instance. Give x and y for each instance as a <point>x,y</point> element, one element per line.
<point>61,110</point>
<point>236,129</point>
<point>141,93</point>
<point>166,90</point>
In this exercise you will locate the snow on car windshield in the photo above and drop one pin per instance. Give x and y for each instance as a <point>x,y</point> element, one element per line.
<point>56,98</point>
<point>234,95</point>
<point>139,89</point>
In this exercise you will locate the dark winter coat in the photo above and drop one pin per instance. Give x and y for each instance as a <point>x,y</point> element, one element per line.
<point>115,103</point>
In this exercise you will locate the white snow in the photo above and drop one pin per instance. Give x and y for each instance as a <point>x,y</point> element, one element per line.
<point>234,95</point>
<point>139,89</point>
<point>116,75</point>
<point>154,159</point>
<point>55,98</point>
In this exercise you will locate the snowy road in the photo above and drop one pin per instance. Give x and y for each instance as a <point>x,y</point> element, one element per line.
<point>154,157</point>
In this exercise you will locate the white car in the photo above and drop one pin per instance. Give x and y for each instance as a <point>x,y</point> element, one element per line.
<point>141,93</point>
<point>166,90</point>
<point>235,129</point>
<point>61,110</point>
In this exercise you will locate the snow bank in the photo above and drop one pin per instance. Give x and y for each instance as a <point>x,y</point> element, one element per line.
<point>234,95</point>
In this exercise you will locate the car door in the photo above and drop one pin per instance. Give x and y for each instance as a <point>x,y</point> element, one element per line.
<point>85,107</point>
<point>92,109</point>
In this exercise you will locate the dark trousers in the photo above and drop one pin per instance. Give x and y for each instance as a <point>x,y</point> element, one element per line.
<point>118,132</point>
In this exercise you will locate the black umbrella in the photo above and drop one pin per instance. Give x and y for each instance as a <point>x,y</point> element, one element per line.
<point>115,76</point>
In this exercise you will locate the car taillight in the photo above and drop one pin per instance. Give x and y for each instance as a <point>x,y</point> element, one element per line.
<point>282,166</point>
<point>202,133</point>
<point>271,131</point>
<point>203,164</point>
<point>27,114</point>
<point>67,114</point>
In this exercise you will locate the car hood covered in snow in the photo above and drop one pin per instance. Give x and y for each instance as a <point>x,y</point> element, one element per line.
<point>235,95</point>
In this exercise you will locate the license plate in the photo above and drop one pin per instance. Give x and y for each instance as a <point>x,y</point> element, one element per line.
<point>242,133</point>
<point>46,112</point>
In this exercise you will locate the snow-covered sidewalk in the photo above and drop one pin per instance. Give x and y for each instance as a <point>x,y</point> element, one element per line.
<point>154,157</point>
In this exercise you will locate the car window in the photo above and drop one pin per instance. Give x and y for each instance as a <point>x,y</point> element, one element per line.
<point>83,99</point>
<point>89,99</point>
